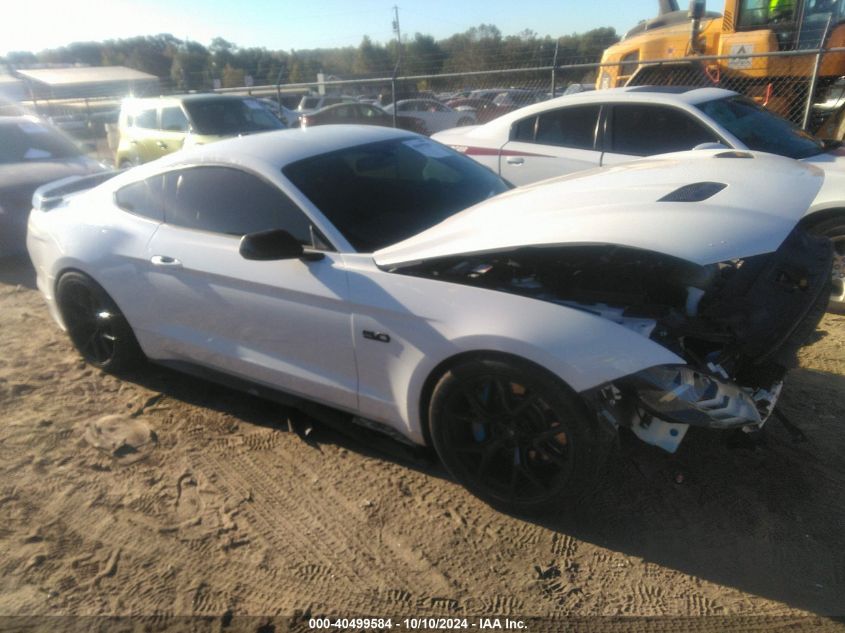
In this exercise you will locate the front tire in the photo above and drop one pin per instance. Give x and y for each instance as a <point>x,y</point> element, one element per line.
<point>835,230</point>
<point>513,435</point>
<point>95,325</point>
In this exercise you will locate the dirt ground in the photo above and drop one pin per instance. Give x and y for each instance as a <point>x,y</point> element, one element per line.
<point>226,510</point>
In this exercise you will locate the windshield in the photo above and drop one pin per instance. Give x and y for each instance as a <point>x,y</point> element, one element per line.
<point>796,26</point>
<point>814,9</point>
<point>756,13</point>
<point>381,193</point>
<point>28,141</point>
<point>759,129</point>
<point>226,117</point>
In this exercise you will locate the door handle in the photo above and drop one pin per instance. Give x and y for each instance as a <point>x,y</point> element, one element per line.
<point>161,144</point>
<point>515,160</point>
<point>165,260</point>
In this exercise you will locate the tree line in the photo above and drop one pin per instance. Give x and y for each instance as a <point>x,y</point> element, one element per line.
<point>189,65</point>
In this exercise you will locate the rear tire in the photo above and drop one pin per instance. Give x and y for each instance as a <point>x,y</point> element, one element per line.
<point>513,435</point>
<point>95,325</point>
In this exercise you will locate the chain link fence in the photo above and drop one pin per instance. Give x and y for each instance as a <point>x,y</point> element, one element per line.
<point>804,86</point>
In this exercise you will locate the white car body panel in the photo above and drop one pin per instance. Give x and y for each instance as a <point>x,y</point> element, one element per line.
<point>616,206</point>
<point>440,119</point>
<point>832,194</point>
<point>526,163</point>
<point>282,323</point>
<point>430,321</point>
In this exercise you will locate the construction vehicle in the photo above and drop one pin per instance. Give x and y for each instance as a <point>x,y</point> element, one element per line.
<point>733,50</point>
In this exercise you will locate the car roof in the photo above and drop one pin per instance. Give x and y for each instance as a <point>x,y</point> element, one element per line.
<point>202,96</point>
<point>665,95</point>
<point>282,147</point>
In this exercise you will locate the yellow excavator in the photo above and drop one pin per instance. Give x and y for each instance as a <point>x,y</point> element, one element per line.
<point>678,47</point>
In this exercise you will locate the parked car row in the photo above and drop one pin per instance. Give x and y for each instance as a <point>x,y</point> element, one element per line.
<point>361,114</point>
<point>153,127</point>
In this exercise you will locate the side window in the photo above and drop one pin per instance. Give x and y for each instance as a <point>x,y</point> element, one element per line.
<point>643,130</point>
<point>146,119</point>
<point>143,198</point>
<point>568,127</point>
<point>231,201</point>
<point>523,131</point>
<point>345,112</point>
<point>368,112</point>
<point>174,120</point>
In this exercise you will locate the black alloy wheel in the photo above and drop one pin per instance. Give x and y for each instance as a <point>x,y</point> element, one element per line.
<point>512,434</point>
<point>95,325</point>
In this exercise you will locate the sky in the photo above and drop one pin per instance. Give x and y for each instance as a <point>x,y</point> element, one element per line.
<point>299,24</point>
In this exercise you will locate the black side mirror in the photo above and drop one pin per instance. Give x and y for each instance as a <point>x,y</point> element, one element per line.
<point>275,244</point>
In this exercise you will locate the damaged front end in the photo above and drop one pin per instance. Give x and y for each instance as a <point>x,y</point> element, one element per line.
<point>738,324</point>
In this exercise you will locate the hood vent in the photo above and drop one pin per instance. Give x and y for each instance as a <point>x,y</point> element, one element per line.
<point>696,192</point>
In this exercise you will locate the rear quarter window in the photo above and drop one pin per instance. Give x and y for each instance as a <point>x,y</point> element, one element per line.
<point>573,127</point>
<point>144,198</point>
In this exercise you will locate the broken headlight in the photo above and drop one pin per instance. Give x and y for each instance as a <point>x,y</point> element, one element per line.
<point>683,395</point>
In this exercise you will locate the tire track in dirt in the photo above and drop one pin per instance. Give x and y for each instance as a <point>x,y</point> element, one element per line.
<point>80,534</point>
<point>330,537</point>
<point>419,572</point>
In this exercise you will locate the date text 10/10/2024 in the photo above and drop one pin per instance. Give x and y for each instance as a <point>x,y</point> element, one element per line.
<point>416,623</point>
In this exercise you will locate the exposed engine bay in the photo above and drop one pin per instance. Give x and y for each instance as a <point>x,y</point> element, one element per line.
<point>738,324</point>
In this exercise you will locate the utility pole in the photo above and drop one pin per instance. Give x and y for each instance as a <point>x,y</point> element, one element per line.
<point>398,32</point>
<point>398,59</point>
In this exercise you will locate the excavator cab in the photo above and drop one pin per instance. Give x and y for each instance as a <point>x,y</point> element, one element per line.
<point>797,24</point>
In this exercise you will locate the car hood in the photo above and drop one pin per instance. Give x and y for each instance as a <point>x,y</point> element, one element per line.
<point>667,204</point>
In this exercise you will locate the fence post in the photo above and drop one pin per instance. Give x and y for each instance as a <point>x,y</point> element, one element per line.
<point>279,86</point>
<point>811,90</point>
<point>393,97</point>
<point>554,70</point>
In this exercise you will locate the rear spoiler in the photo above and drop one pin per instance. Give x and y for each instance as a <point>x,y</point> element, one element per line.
<point>49,196</point>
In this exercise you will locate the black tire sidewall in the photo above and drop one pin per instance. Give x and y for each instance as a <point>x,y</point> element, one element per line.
<point>584,451</point>
<point>127,353</point>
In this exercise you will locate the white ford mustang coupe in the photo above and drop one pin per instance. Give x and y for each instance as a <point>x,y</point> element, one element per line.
<point>388,277</point>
